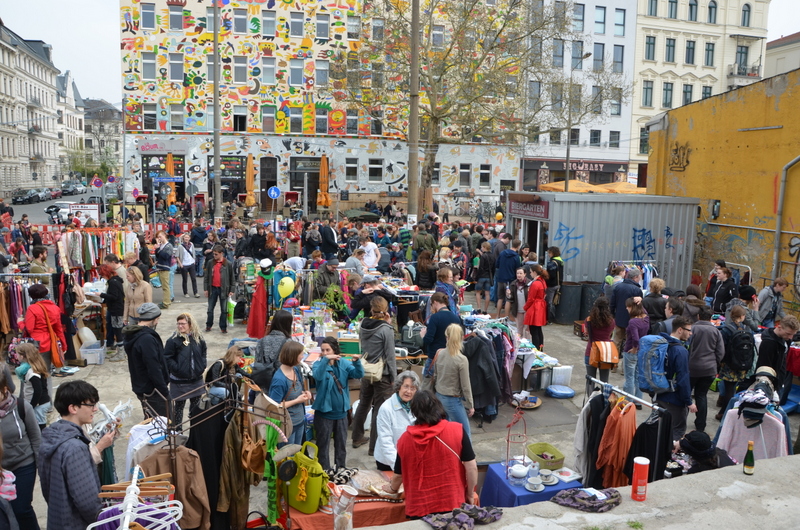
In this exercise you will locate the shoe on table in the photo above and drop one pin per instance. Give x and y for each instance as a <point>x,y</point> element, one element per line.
<point>359,443</point>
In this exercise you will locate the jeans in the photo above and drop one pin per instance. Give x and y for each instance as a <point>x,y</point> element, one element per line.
<point>172,270</point>
<point>163,277</point>
<point>41,412</point>
<point>549,293</point>
<point>199,261</point>
<point>178,410</point>
<point>479,218</point>
<point>298,433</point>
<point>214,295</point>
<point>591,371</point>
<point>454,406</point>
<point>22,505</point>
<point>631,381</point>
<point>323,428</point>
<point>372,397</point>
<point>700,386</point>
<point>186,273</point>
<point>768,323</point>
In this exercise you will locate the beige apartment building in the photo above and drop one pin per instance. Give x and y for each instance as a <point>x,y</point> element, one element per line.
<point>783,55</point>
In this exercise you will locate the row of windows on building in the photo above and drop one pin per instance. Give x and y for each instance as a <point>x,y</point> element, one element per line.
<point>101,144</point>
<point>576,98</point>
<point>602,22</point>
<point>598,55</point>
<point>27,64</point>
<point>693,11</point>
<point>667,93</point>
<point>690,51</point>
<point>240,25</point>
<point>557,138</point>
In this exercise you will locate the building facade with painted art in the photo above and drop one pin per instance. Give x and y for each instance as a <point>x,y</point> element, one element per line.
<point>284,70</point>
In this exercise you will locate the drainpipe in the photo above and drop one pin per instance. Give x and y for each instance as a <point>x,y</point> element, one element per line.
<point>776,265</point>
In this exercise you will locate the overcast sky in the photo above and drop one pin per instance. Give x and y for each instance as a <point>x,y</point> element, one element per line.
<point>85,36</point>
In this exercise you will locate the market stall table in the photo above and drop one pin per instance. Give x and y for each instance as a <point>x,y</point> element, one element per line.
<point>372,512</point>
<point>498,492</point>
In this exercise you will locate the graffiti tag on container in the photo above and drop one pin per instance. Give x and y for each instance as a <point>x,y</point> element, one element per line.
<point>644,246</point>
<point>565,236</point>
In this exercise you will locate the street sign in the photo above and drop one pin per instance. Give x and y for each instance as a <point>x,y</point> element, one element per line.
<point>168,179</point>
<point>111,179</point>
<point>135,192</point>
<point>97,183</point>
<point>274,192</point>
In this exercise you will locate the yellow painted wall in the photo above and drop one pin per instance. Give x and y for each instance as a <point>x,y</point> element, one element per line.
<point>702,150</point>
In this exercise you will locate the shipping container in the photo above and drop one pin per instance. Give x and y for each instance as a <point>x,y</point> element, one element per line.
<point>594,229</point>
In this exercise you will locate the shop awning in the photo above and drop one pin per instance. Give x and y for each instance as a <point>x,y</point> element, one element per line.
<point>577,186</point>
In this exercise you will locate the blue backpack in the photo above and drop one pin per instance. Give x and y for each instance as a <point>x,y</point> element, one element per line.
<point>652,365</point>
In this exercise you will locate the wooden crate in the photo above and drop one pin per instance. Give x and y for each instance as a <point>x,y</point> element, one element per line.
<point>577,330</point>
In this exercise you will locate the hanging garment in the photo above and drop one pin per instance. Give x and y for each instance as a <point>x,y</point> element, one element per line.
<point>189,484</point>
<point>769,437</point>
<point>234,480</point>
<point>206,437</point>
<point>644,444</point>
<point>588,421</point>
<point>615,444</point>
<point>5,309</point>
<point>257,321</point>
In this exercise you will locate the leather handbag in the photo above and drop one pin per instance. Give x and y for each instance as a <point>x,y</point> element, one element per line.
<point>603,355</point>
<point>254,453</point>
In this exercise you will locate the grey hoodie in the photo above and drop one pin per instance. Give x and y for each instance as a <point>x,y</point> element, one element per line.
<point>377,341</point>
<point>21,439</point>
<point>70,482</point>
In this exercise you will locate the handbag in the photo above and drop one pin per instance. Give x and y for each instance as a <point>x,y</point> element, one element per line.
<point>373,372</point>
<point>56,351</point>
<point>254,453</point>
<point>557,296</point>
<point>307,489</point>
<point>603,354</point>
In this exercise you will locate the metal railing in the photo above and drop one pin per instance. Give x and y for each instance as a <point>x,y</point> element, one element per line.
<point>742,70</point>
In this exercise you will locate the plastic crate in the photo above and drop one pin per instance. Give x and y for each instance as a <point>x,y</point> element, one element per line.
<point>350,346</point>
<point>94,353</point>
<point>562,375</point>
<point>536,449</point>
<point>579,330</point>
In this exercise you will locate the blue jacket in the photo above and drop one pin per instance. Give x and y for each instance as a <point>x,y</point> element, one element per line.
<point>507,264</point>
<point>678,368</point>
<point>621,292</point>
<point>330,402</point>
<point>434,339</point>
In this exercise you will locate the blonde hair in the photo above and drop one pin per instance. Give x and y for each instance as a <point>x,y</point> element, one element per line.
<point>194,329</point>
<point>455,339</point>
<point>32,356</point>
<point>656,285</point>
<point>230,357</point>
<point>130,255</point>
<point>136,272</point>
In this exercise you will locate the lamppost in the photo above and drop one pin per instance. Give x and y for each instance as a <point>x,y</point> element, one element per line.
<point>569,115</point>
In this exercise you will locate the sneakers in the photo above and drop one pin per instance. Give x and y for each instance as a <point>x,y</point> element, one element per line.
<point>162,306</point>
<point>186,295</point>
<point>208,329</point>
<point>224,331</point>
<point>359,443</point>
<point>118,356</point>
<point>197,295</point>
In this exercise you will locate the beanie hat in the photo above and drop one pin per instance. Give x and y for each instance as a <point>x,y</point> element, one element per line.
<point>698,445</point>
<point>148,311</point>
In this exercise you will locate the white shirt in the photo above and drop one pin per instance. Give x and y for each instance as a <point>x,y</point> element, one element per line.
<point>393,420</point>
<point>296,263</point>
<point>371,257</point>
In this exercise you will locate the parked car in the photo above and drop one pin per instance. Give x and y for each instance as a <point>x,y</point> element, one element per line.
<point>44,194</point>
<point>59,209</point>
<point>56,193</point>
<point>26,196</point>
<point>68,188</point>
<point>80,188</point>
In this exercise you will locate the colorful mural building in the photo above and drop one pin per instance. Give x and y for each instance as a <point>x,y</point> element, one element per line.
<point>730,151</point>
<point>285,67</point>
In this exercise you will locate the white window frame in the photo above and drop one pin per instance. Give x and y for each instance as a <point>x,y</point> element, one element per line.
<point>321,118</point>
<point>465,170</point>
<point>210,20</point>
<point>351,169</point>
<point>296,67</point>
<point>295,113</point>
<point>323,26</point>
<point>240,21</point>
<point>351,115</point>
<point>237,111</point>
<point>152,109</point>
<point>375,165</point>
<point>378,29</point>
<point>268,70</point>
<point>437,36</point>
<point>175,13</point>
<point>268,18</point>
<point>485,174</point>
<point>148,10</point>
<point>320,66</point>
<point>296,20</point>
<point>176,62</point>
<point>175,112</point>
<point>148,62</point>
<point>210,68</point>
<point>239,69</point>
<point>353,28</point>
<point>267,113</point>
<point>376,123</point>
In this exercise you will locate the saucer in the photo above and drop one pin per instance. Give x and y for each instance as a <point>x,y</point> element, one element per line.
<point>553,481</point>
<point>534,489</point>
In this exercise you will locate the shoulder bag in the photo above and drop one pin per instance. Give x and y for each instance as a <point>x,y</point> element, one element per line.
<point>603,354</point>
<point>56,351</point>
<point>373,372</point>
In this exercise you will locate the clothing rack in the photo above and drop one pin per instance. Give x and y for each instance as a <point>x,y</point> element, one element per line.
<point>656,408</point>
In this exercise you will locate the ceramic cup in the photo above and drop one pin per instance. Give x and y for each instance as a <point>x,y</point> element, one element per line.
<point>546,475</point>
<point>534,482</point>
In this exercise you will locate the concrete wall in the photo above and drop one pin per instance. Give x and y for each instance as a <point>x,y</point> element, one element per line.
<point>732,148</point>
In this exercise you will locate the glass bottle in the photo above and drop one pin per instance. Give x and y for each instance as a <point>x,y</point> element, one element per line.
<point>748,466</point>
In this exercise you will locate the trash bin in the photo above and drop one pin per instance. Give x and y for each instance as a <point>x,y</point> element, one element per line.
<point>590,291</point>
<point>569,308</point>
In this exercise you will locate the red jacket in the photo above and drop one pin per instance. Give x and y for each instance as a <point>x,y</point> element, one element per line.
<point>535,306</point>
<point>35,324</point>
<point>434,478</point>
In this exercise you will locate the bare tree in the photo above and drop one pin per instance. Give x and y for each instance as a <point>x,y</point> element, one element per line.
<point>486,67</point>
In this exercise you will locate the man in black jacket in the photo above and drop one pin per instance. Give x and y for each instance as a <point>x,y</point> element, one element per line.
<point>772,352</point>
<point>146,362</point>
<point>329,246</point>
<point>627,288</point>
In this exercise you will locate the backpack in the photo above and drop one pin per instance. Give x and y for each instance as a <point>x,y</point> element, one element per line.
<point>652,365</point>
<point>352,246</point>
<point>655,328</point>
<point>411,335</point>
<point>740,350</point>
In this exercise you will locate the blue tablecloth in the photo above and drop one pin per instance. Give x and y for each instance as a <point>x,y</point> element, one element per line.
<point>498,492</point>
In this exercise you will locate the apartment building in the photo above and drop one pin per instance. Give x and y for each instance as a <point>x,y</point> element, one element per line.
<point>69,125</point>
<point>605,36</point>
<point>285,70</point>
<point>687,50</point>
<point>29,144</point>
<point>103,134</point>
<point>783,55</point>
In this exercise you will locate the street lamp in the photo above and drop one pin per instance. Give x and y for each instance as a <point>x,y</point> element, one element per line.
<point>569,118</point>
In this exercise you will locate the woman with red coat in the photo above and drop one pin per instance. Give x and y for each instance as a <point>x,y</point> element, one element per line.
<point>36,318</point>
<point>535,306</point>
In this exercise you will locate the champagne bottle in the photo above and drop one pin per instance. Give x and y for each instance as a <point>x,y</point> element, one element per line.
<point>749,460</point>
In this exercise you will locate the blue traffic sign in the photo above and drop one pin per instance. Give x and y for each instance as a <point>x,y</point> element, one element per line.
<point>274,192</point>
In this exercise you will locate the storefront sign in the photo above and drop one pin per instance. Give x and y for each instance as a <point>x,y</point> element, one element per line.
<point>528,205</point>
<point>177,147</point>
<point>599,166</point>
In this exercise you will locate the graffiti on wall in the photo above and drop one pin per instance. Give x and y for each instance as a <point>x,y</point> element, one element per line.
<point>794,252</point>
<point>679,157</point>
<point>643,244</point>
<point>566,236</point>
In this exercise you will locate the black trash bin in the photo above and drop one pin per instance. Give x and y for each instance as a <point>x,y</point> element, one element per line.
<point>569,308</point>
<point>590,291</point>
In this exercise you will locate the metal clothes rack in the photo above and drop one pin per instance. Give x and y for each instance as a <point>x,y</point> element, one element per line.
<point>656,408</point>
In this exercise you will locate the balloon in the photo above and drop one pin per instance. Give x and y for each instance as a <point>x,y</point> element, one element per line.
<point>286,287</point>
<point>499,216</point>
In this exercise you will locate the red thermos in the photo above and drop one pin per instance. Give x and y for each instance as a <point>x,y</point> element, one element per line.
<point>641,467</point>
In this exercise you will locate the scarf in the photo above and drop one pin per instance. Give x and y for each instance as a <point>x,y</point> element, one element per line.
<point>22,370</point>
<point>8,404</point>
<point>406,406</point>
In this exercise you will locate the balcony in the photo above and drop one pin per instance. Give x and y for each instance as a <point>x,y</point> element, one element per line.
<point>34,103</point>
<point>742,75</point>
<point>37,157</point>
<point>34,129</point>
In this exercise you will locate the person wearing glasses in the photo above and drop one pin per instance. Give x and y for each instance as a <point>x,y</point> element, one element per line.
<point>678,402</point>
<point>70,482</point>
